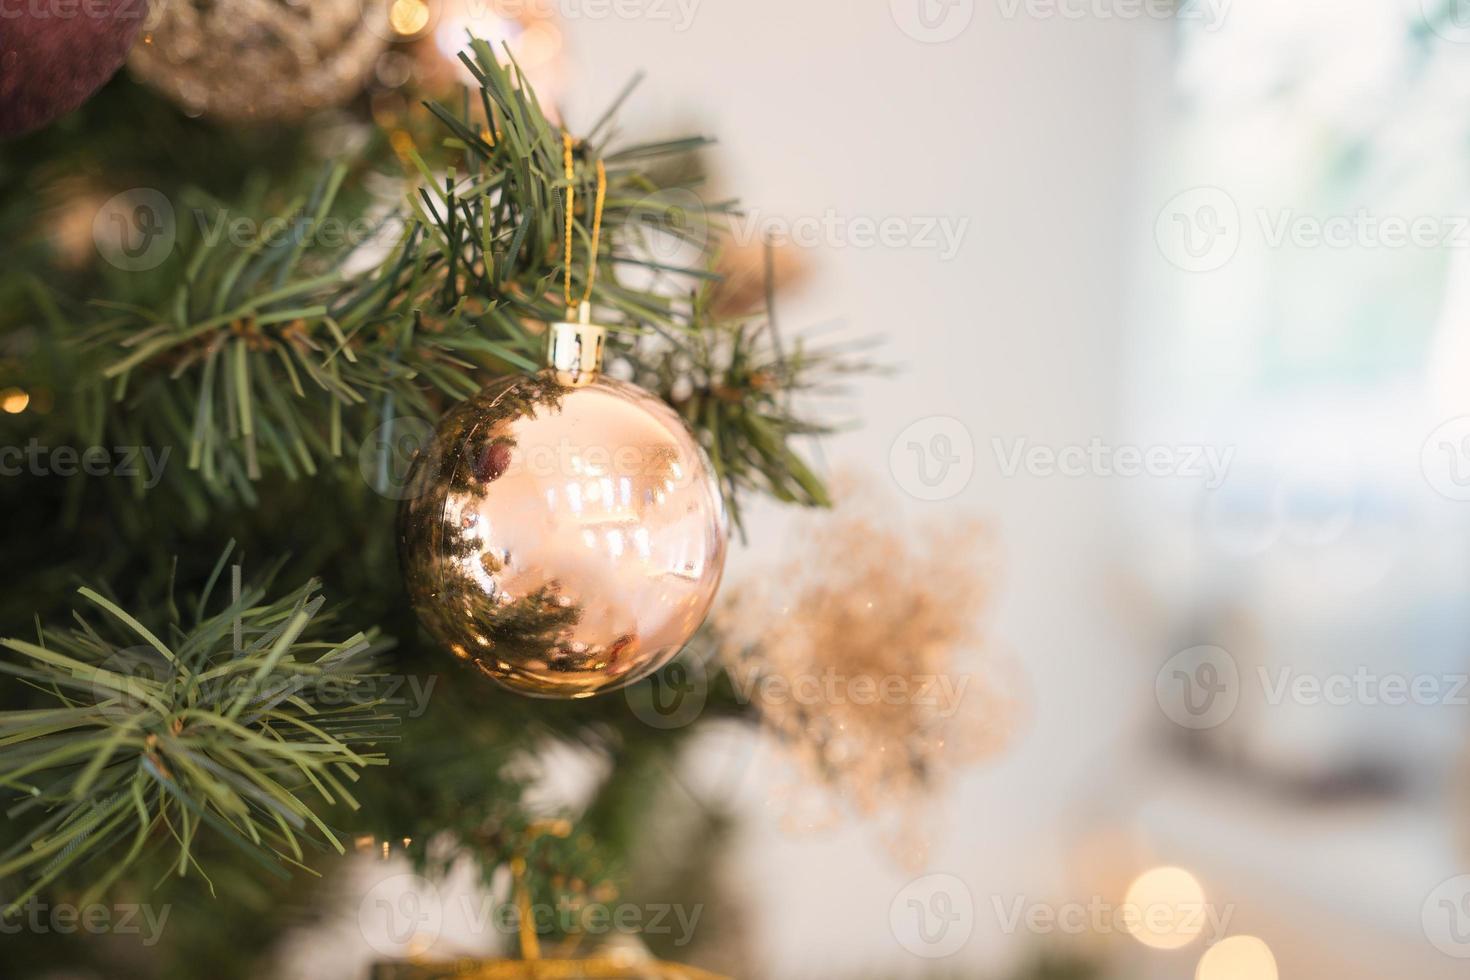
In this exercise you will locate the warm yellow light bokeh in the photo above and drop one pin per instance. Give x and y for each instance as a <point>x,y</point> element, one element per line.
<point>408,17</point>
<point>1237,958</point>
<point>14,401</point>
<point>1167,908</point>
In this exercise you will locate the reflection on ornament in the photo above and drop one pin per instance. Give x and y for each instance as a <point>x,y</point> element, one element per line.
<point>566,538</point>
<point>261,59</point>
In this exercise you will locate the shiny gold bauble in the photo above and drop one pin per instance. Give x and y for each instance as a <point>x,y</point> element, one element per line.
<point>565,539</point>
<point>260,59</point>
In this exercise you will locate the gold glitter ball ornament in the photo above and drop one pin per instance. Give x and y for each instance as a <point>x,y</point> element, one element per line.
<point>260,59</point>
<point>563,532</point>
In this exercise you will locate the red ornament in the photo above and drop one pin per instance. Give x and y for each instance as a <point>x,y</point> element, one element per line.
<point>53,56</point>
<point>494,461</point>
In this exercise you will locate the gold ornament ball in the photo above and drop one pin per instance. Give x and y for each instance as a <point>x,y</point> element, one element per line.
<point>260,59</point>
<point>567,540</point>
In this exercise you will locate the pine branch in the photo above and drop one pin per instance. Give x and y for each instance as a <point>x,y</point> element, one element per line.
<point>269,355</point>
<point>737,387</point>
<point>236,725</point>
<point>260,359</point>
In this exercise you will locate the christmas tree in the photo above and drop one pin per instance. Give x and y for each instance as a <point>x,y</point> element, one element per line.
<point>223,344</point>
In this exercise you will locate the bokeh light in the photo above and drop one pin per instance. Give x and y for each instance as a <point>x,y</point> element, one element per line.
<point>408,17</point>
<point>1238,958</point>
<point>528,27</point>
<point>14,401</point>
<point>1168,907</point>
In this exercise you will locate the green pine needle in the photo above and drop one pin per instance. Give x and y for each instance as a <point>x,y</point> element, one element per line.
<point>265,356</point>
<point>243,726</point>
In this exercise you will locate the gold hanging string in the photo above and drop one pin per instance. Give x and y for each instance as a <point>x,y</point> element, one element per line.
<point>530,942</point>
<point>531,965</point>
<point>568,145</point>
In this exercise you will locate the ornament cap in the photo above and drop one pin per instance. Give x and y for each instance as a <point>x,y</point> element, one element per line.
<point>575,347</point>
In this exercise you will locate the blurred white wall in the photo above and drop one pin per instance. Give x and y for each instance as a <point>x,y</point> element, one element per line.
<point>1037,130</point>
